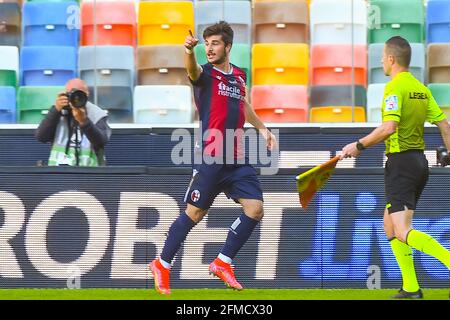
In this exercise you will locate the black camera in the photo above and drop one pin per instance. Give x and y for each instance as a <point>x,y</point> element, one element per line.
<point>77,98</point>
<point>442,156</point>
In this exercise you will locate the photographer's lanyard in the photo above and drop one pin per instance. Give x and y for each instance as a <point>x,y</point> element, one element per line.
<point>73,126</point>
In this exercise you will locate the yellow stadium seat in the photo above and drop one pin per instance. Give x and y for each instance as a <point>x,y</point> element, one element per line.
<point>280,63</point>
<point>164,22</point>
<point>337,114</point>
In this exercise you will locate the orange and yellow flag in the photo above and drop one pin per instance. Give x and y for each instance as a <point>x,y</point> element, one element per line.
<point>311,181</point>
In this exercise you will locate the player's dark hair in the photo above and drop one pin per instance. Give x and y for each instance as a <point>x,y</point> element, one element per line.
<point>400,49</point>
<point>221,28</point>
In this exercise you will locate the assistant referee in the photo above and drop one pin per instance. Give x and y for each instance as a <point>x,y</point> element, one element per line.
<point>406,106</point>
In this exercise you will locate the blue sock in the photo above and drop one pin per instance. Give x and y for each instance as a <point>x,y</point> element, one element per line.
<point>240,231</point>
<point>176,235</point>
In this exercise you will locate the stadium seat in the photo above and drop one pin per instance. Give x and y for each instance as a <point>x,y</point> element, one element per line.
<point>117,101</point>
<point>376,73</point>
<point>7,104</point>
<point>332,64</point>
<point>280,63</point>
<point>162,104</point>
<point>163,64</point>
<point>438,21</point>
<point>337,114</point>
<point>375,94</point>
<point>237,13</point>
<point>164,22</point>
<point>48,65</point>
<point>9,66</point>
<point>396,18</point>
<point>439,63</point>
<point>10,24</point>
<point>114,65</point>
<point>33,103</point>
<point>281,22</point>
<point>50,24</point>
<point>331,22</point>
<point>280,103</point>
<point>323,96</point>
<point>239,56</point>
<point>441,93</point>
<point>116,23</point>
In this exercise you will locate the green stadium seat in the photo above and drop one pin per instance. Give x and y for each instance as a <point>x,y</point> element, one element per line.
<point>33,103</point>
<point>404,18</point>
<point>441,93</point>
<point>9,66</point>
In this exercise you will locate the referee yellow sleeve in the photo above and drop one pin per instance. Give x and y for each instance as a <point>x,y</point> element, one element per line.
<point>434,112</point>
<point>392,104</point>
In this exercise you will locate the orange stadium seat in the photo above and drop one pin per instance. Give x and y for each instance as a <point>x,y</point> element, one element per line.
<point>280,63</point>
<point>332,64</point>
<point>280,103</point>
<point>439,63</point>
<point>281,22</point>
<point>161,65</point>
<point>116,23</point>
<point>337,114</point>
<point>164,22</point>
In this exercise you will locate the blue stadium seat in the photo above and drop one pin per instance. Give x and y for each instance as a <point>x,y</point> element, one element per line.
<point>50,24</point>
<point>47,66</point>
<point>117,101</point>
<point>7,105</point>
<point>9,24</point>
<point>438,21</point>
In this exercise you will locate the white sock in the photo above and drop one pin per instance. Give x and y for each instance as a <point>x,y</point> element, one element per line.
<point>165,264</point>
<point>224,258</point>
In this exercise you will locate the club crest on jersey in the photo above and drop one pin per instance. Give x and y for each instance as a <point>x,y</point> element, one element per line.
<point>195,195</point>
<point>391,103</point>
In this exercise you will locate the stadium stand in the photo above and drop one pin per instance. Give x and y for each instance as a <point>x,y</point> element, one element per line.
<point>333,65</point>
<point>9,66</point>
<point>439,63</point>
<point>10,24</point>
<point>237,13</point>
<point>164,22</point>
<point>398,18</point>
<point>162,64</point>
<point>7,104</point>
<point>441,93</point>
<point>33,102</point>
<point>375,94</point>
<point>163,104</point>
<point>107,66</point>
<point>438,21</point>
<point>280,63</point>
<point>116,100</point>
<point>331,22</point>
<point>280,103</point>
<point>240,56</point>
<point>281,22</point>
<point>50,24</point>
<point>376,73</point>
<point>116,23</point>
<point>47,65</point>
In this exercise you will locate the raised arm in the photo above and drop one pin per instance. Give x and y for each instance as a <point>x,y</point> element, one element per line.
<point>192,67</point>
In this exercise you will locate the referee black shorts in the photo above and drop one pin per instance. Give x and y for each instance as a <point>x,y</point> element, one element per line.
<point>405,176</point>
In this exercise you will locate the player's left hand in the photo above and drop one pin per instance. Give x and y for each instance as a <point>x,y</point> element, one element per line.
<point>80,115</point>
<point>271,140</point>
<point>349,151</point>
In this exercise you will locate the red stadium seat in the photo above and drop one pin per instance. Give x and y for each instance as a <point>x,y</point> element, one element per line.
<point>280,103</point>
<point>116,23</point>
<point>332,64</point>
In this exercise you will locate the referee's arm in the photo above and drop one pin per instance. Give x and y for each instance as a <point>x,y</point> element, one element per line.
<point>444,127</point>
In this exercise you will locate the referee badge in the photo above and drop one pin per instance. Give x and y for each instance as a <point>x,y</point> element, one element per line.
<point>391,103</point>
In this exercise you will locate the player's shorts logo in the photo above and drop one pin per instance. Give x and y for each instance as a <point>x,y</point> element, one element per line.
<point>195,195</point>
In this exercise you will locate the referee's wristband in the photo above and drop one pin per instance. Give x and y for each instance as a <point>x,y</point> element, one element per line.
<point>360,146</point>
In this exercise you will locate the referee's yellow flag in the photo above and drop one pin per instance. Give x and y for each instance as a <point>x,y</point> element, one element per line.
<point>311,181</point>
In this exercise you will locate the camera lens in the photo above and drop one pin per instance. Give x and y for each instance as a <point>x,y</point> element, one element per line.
<point>78,98</point>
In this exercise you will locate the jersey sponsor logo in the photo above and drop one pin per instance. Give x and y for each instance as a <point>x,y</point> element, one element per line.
<point>229,91</point>
<point>418,95</point>
<point>195,195</point>
<point>391,103</point>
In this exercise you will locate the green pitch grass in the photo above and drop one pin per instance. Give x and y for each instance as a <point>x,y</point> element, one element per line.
<point>210,294</point>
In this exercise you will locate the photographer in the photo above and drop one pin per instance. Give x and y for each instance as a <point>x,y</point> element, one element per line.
<point>77,128</point>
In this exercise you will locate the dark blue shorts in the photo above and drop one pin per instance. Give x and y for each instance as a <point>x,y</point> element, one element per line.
<point>238,181</point>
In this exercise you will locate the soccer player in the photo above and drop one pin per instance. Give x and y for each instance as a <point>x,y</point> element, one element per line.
<point>221,99</point>
<point>407,104</point>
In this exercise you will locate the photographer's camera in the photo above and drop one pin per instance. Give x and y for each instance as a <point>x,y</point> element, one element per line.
<point>77,98</point>
<point>442,156</point>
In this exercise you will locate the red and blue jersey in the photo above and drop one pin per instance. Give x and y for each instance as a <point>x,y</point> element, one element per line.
<point>220,103</point>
